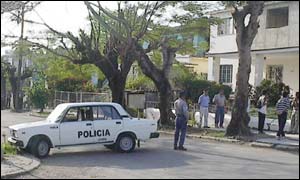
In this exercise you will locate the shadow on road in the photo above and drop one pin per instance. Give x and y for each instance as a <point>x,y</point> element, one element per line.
<point>149,158</point>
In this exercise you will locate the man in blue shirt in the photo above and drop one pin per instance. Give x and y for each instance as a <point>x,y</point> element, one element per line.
<point>203,104</point>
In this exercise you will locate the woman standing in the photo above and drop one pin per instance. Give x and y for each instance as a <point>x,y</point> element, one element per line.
<point>295,115</point>
<point>262,111</point>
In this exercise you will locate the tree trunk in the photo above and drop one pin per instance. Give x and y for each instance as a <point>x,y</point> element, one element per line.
<point>161,81</point>
<point>245,35</point>
<point>239,121</point>
<point>165,99</point>
<point>3,91</point>
<point>117,86</point>
<point>19,99</point>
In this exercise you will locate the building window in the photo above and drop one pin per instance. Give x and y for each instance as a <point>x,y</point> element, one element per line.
<point>226,74</point>
<point>278,17</point>
<point>274,73</point>
<point>225,27</point>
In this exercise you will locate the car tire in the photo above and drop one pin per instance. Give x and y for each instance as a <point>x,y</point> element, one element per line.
<point>125,143</point>
<point>40,147</point>
<point>111,146</point>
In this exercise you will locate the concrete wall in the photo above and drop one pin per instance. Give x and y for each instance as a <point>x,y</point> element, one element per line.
<point>287,36</point>
<point>290,64</point>
<point>201,64</point>
<point>290,69</point>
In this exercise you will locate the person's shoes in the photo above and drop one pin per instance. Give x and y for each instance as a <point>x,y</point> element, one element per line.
<point>278,138</point>
<point>175,148</point>
<point>181,148</point>
<point>222,127</point>
<point>216,126</point>
<point>206,127</point>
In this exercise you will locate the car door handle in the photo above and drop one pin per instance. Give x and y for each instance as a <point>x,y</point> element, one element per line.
<point>88,124</point>
<point>118,122</point>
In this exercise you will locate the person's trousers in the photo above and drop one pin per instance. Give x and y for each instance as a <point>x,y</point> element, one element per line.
<point>281,122</point>
<point>261,121</point>
<point>219,117</point>
<point>204,112</point>
<point>295,122</point>
<point>181,126</point>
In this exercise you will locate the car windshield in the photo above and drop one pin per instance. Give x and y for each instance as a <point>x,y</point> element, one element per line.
<point>56,113</point>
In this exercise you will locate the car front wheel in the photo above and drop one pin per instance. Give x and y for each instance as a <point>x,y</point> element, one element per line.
<point>40,148</point>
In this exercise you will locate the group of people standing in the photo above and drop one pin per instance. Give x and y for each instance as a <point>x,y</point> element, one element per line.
<point>220,101</point>
<point>282,107</point>
<point>182,114</point>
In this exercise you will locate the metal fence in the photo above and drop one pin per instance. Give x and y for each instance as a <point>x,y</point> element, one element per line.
<point>69,97</point>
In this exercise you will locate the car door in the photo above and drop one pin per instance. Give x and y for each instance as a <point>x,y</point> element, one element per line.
<point>77,127</point>
<point>107,123</point>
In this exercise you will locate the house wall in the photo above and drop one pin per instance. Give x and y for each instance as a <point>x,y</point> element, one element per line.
<point>201,64</point>
<point>287,36</point>
<point>290,69</point>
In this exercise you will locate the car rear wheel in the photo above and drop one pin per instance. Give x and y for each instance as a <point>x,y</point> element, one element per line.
<point>40,148</point>
<point>126,143</point>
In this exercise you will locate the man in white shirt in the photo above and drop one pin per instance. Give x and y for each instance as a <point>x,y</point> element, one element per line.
<point>262,111</point>
<point>203,104</point>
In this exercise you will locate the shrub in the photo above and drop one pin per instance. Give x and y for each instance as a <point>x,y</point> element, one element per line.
<point>38,95</point>
<point>195,87</point>
<point>274,90</point>
<point>9,149</point>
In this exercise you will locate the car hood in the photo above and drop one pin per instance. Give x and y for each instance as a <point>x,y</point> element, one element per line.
<point>29,125</point>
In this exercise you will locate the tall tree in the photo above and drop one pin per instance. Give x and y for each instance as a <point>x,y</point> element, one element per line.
<point>18,11</point>
<point>170,42</point>
<point>161,37</point>
<point>245,34</point>
<point>106,48</point>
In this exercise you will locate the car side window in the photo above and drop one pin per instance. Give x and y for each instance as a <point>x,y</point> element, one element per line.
<point>79,114</point>
<point>72,115</point>
<point>105,113</point>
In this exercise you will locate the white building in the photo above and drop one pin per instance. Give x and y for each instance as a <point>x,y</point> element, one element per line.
<point>275,49</point>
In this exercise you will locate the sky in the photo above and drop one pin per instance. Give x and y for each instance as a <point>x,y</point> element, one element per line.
<point>63,15</point>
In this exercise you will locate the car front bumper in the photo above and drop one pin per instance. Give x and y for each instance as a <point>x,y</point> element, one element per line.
<point>154,135</point>
<point>15,142</point>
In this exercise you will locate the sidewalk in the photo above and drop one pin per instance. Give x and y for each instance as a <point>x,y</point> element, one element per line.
<point>291,142</point>
<point>13,165</point>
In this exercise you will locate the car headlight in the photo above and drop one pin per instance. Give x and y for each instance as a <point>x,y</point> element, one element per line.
<point>14,133</point>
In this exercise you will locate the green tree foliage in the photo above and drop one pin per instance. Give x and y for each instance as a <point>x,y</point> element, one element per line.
<point>38,93</point>
<point>63,75</point>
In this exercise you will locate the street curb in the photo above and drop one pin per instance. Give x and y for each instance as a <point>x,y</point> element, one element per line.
<point>206,137</point>
<point>36,115</point>
<point>253,144</point>
<point>35,164</point>
<point>275,146</point>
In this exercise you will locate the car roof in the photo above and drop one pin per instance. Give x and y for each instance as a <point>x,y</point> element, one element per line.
<point>89,104</point>
<point>116,105</point>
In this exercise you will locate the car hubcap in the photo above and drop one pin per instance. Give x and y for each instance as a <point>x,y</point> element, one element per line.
<point>126,143</point>
<point>43,148</point>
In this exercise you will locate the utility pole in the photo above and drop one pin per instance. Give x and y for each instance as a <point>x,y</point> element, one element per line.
<point>19,98</point>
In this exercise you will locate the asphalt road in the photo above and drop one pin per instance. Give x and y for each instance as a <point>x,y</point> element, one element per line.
<point>157,159</point>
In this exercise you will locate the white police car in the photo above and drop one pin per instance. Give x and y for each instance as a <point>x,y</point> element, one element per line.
<point>72,124</point>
